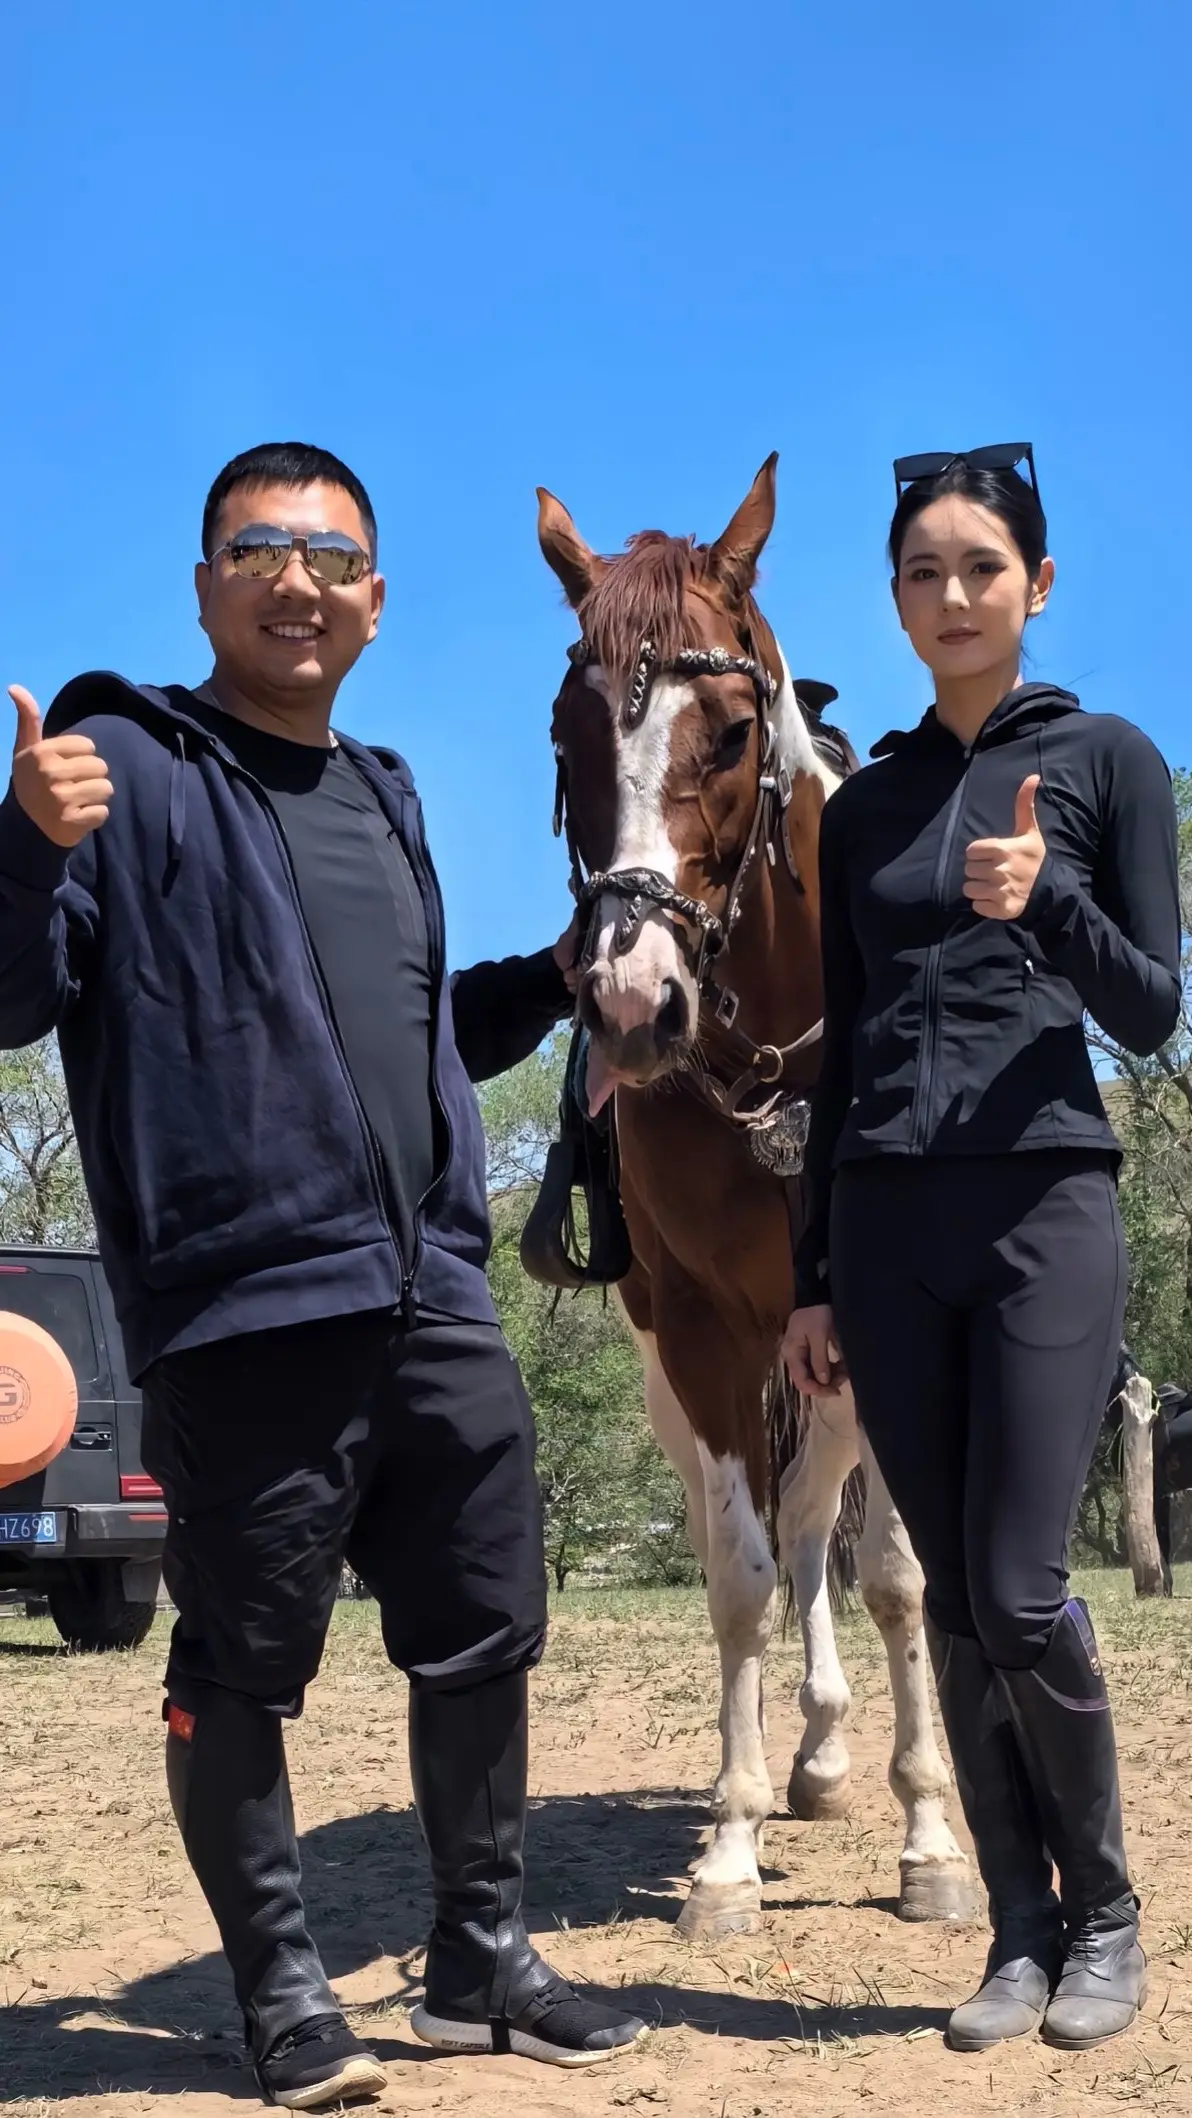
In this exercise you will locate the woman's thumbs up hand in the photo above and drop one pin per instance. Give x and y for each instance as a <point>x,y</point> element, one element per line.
<point>999,873</point>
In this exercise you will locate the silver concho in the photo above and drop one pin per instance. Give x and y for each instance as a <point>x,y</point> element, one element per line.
<point>778,1144</point>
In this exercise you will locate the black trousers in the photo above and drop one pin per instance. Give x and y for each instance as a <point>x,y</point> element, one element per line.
<point>409,1452</point>
<point>979,1307</point>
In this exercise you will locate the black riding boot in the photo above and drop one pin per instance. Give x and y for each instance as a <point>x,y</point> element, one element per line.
<point>1061,1712</point>
<point>226,1771</point>
<point>1027,1952</point>
<point>487,1989</point>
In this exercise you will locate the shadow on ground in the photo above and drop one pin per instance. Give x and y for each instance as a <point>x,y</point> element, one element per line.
<point>366,1889</point>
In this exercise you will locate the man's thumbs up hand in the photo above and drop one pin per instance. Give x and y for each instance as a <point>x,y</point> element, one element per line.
<point>999,873</point>
<point>28,719</point>
<point>61,784</point>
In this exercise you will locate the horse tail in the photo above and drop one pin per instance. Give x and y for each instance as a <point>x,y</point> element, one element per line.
<point>787,1417</point>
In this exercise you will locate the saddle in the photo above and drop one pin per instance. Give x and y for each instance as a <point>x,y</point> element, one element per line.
<point>583,1161</point>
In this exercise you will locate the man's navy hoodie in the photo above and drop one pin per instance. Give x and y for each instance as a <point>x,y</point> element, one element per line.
<point>225,1150</point>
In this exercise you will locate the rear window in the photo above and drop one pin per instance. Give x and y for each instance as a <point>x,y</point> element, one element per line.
<point>58,1302</point>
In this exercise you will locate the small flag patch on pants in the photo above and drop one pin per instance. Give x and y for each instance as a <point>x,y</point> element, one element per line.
<point>179,1723</point>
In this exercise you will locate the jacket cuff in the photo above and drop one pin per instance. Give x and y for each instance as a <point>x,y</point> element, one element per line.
<point>545,984</point>
<point>813,1278</point>
<point>27,856</point>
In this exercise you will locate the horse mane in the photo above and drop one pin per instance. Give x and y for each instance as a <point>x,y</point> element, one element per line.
<point>640,596</point>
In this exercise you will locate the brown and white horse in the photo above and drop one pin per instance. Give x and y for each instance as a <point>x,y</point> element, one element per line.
<point>693,782</point>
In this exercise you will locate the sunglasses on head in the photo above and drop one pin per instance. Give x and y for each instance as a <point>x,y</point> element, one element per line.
<point>261,550</point>
<point>1002,456</point>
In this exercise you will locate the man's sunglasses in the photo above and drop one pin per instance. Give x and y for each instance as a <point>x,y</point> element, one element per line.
<point>1003,456</point>
<point>261,550</point>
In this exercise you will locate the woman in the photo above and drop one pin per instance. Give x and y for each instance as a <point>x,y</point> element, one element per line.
<point>1004,867</point>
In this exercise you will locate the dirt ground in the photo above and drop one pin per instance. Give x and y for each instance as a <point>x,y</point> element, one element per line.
<point>116,1996</point>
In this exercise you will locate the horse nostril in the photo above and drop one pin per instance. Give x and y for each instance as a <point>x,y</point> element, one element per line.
<point>672,1015</point>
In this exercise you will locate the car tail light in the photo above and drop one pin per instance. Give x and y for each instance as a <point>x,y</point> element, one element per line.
<point>14,1268</point>
<point>137,1485</point>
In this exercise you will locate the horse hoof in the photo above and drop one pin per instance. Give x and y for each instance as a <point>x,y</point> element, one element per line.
<point>815,1801</point>
<point>931,1892</point>
<point>716,1909</point>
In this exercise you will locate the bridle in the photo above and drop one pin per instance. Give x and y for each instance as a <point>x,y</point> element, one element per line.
<point>638,889</point>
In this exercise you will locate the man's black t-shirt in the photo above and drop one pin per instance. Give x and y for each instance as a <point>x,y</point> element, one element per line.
<point>366,922</point>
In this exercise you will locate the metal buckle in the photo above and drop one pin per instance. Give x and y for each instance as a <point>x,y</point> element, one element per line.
<point>727,1006</point>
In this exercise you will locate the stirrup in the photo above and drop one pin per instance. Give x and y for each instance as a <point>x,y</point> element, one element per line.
<point>582,1159</point>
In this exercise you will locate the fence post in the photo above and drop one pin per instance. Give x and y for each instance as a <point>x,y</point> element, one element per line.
<point>1138,1486</point>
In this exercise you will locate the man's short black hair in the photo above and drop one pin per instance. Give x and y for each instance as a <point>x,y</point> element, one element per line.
<point>291,463</point>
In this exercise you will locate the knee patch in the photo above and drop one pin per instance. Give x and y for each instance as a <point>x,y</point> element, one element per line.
<point>1014,1639</point>
<point>948,1607</point>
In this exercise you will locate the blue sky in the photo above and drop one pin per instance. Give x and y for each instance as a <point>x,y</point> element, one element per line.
<point>622,251</point>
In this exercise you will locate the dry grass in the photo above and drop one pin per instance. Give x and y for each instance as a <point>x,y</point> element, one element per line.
<point>116,1996</point>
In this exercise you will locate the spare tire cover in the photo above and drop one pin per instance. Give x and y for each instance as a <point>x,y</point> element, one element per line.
<point>39,1398</point>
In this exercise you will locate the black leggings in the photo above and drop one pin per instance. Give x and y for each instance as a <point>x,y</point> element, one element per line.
<point>979,1307</point>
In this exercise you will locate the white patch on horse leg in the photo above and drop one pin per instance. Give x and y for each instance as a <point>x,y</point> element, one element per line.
<point>730,1543</point>
<point>936,1878</point>
<point>672,1431</point>
<point>808,1508</point>
<point>742,1581</point>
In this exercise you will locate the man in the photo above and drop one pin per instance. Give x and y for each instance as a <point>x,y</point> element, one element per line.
<point>230,916</point>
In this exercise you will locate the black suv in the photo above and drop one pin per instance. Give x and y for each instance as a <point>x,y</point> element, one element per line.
<point>85,1534</point>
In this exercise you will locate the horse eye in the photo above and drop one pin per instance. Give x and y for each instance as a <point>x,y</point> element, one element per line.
<point>730,745</point>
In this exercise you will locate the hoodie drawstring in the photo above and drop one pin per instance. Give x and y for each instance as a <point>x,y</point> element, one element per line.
<point>176,820</point>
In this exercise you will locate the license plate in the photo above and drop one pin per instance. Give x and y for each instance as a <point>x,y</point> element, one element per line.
<point>32,1529</point>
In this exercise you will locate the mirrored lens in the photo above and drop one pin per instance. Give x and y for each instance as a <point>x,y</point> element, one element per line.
<point>260,550</point>
<point>337,560</point>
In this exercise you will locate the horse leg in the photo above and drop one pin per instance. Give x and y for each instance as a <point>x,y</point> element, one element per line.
<point>672,1431</point>
<point>726,1893</point>
<point>808,1508</point>
<point>729,1540</point>
<point>1163,1526</point>
<point>935,1877</point>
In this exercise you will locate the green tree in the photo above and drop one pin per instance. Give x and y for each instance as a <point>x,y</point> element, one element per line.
<point>607,1493</point>
<point>43,1198</point>
<point>1150,1104</point>
<point>521,1112</point>
<point>1150,1101</point>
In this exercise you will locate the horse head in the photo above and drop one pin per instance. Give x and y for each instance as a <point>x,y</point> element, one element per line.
<point>683,752</point>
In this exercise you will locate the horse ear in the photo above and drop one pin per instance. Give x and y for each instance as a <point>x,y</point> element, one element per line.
<point>565,551</point>
<point>734,556</point>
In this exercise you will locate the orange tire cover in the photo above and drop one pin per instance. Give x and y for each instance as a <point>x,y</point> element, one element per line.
<point>38,1398</point>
